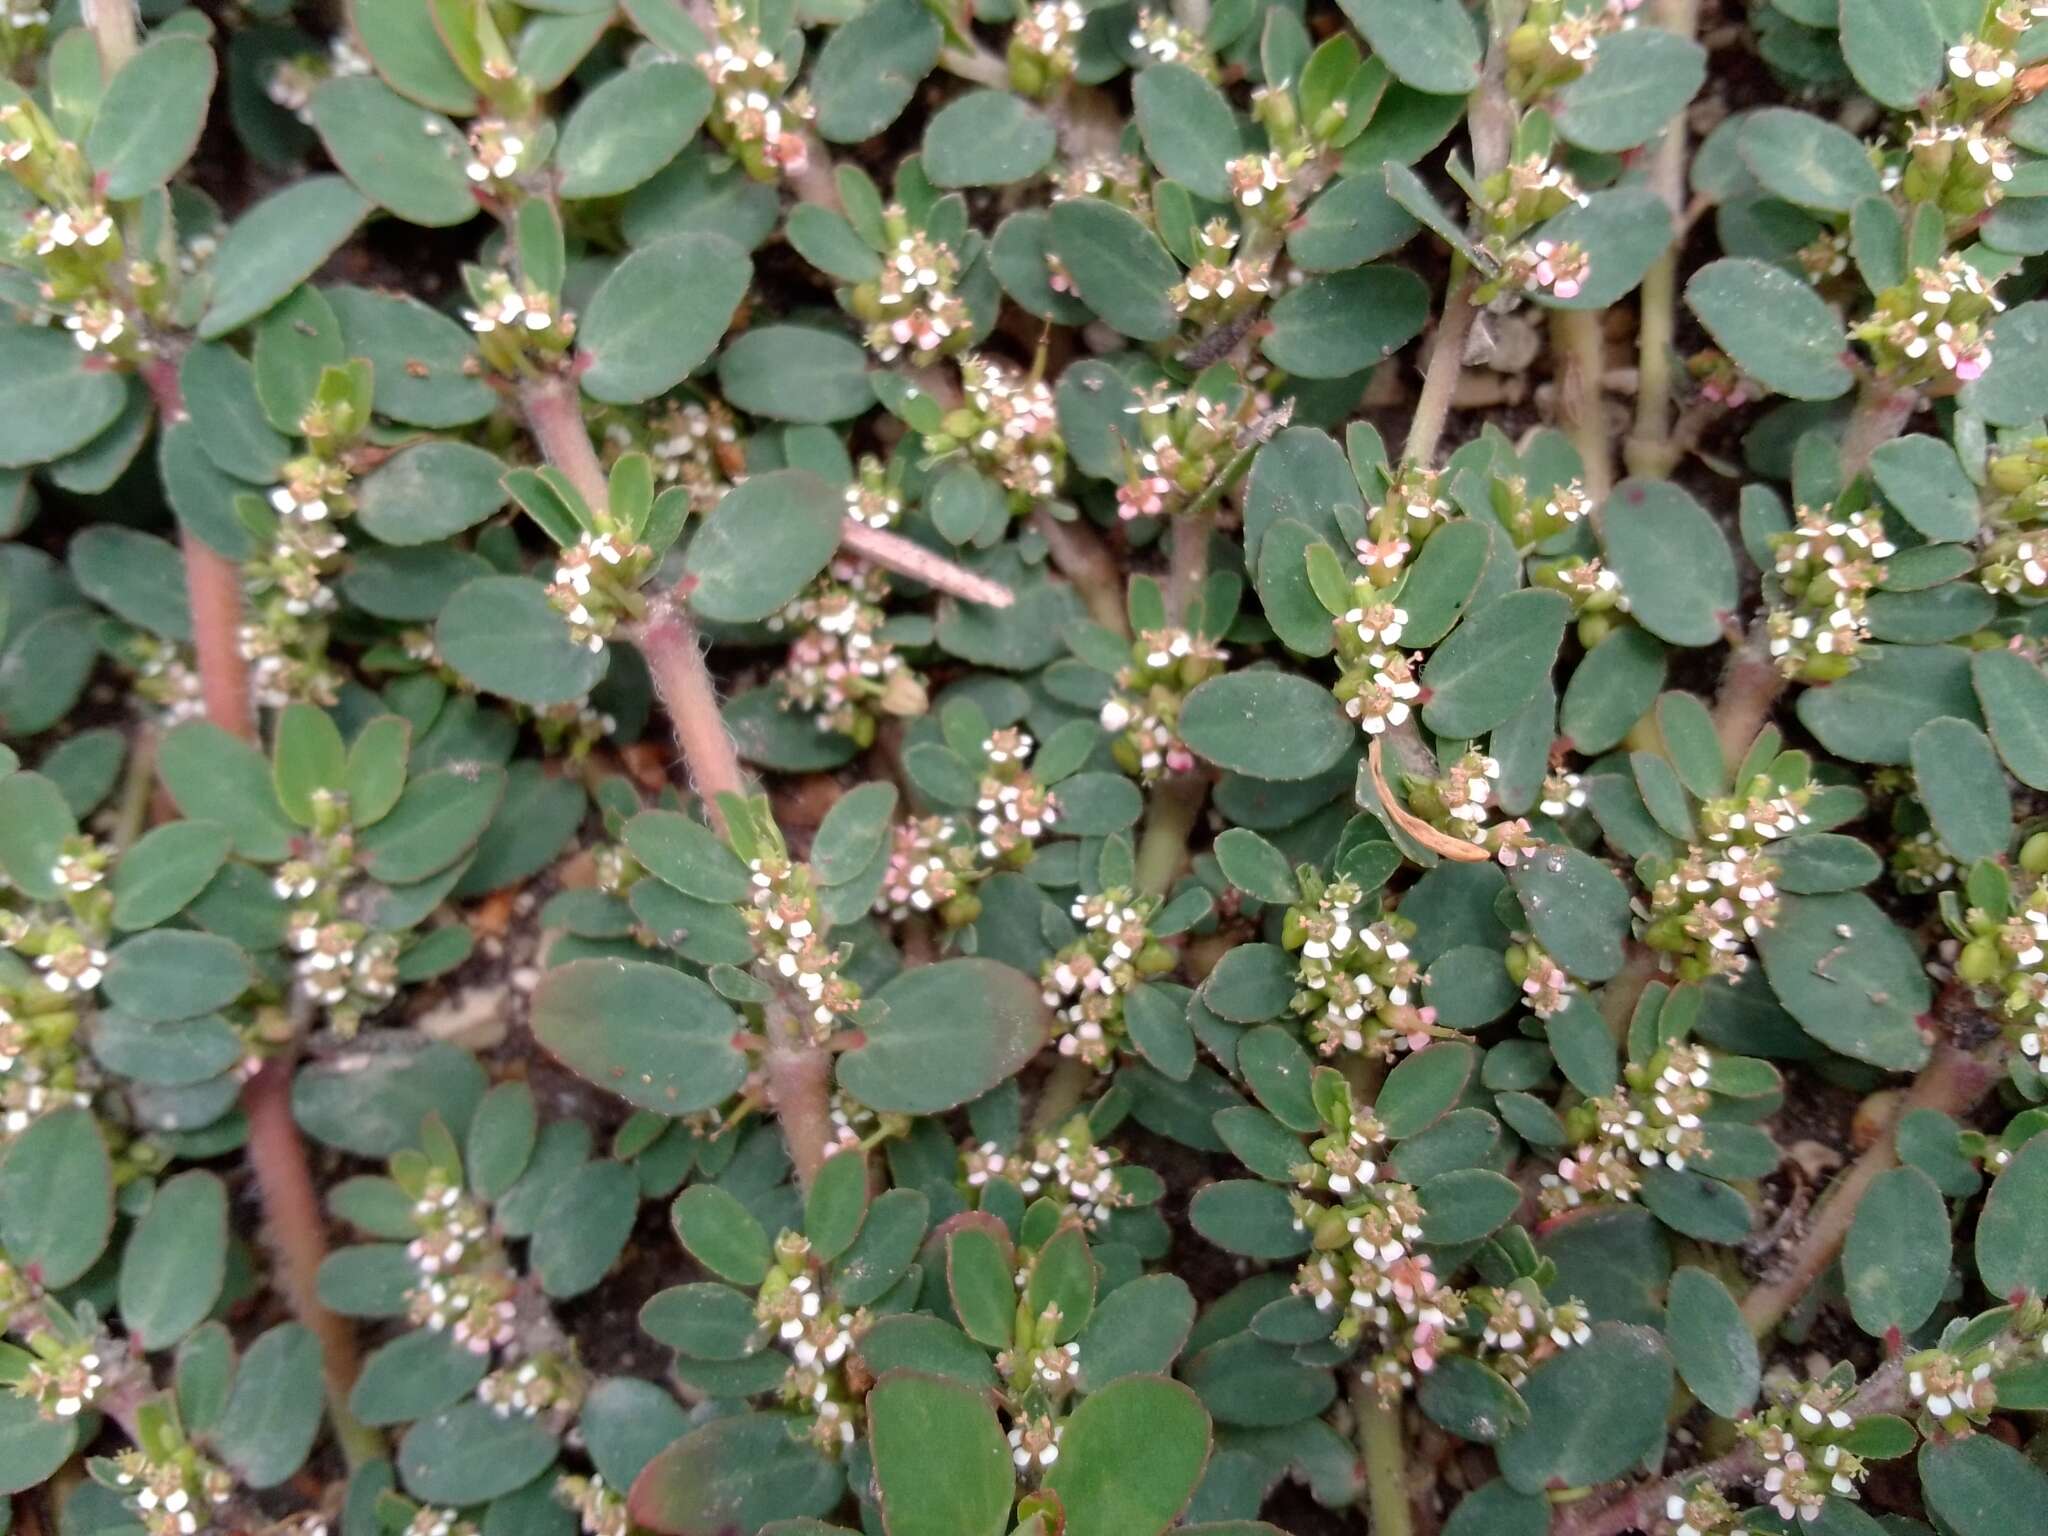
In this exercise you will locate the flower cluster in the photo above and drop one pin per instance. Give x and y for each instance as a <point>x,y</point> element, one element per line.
<point>519,330</point>
<point>842,669</point>
<point>1161,39</point>
<point>1144,712</point>
<point>754,114</point>
<point>1222,282</point>
<point>1706,907</point>
<point>342,966</point>
<point>789,942</point>
<point>1008,427</point>
<point>1534,517</point>
<point>912,307</point>
<point>2003,947</point>
<point>1413,507</point>
<point>1557,41</point>
<point>1359,987</point>
<point>1457,801</point>
<point>464,1286</point>
<point>596,585</point>
<point>1546,987</point>
<point>1186,438</point>
<point>1045,45</point>
<point>1086,982</point>
<point>600,1509</point>
<point>1799,1436</point>
<point>694,444</point>
<point>1652,1120</point>
<point>551,1385</point>
<point>1932,330</point>
<point>807,1325</point>
<point>66,1365</point>
<point>2016,564</point>
<point>171,1487</point>
<point>43,1063</point>
<point>1066,1166</point>
<point>1826,567</point>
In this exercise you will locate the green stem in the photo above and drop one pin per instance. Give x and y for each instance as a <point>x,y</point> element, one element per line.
<point>1171,811</point>
<point>1386,1463</point>
<point>1580,354</point>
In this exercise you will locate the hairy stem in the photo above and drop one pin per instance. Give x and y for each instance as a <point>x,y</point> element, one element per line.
<point>1952,1081</point>
<point>1881,414</point>
<point>1171,813</point>
<point>1624,990</point>
<point>1065,1086</point>
<point>905,557</point>
<point>1651,450</point>
<point>1440,377</point>
<point>675,656</point>
<point>1580,354</point>
<point>1750,689</point>
<point>1187,555</point>
<point>1642,1507</point>
<point>1386,1463</point>
<point>1079,554</point>
<point>116,30</point>
<point>799,1078</point>
<point>297,1235</point>
<point>553,406</point>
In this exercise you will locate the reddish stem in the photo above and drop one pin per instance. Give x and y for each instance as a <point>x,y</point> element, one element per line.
<point>675,657</point>
<point>905,557</point>
<point>297,1234</point>
<point>1079,554</point>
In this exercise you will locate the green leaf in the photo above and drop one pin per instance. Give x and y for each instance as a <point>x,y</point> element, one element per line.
<point>883,1252</point>
<point>722,1235</point>
<point>1850,977</point>
<point>1963,787</point>
<point>1343,323</point>
<point>763,543</point>
<point>1807,161</point>
<point>430,491</point>
<point>57,1197</point>
<point>1775,327</point>
<point>274,1409</point>
<point>1351,221</point>
<point>2014,694</point>
<point>1430,45</point>
<point>1265,724</point>
<point>1470,1401</point>
<point>1466,1204</point>
<point>406,48</point>
<point>171,974</point>
<point>423,366</point>
<point>1130,1457</point>
<point>51,403</point>
<point>1595,1411</point>
<point>295,343</point>
<point>1248,1217</point>
<point>32,1448</point>
<point>1894,49</point>
<point>657,1038</point>
<point>705,1321</point>
<point>415,1376</point>
<point>2012,1240</point>
<point>1639,81</point>
<point>1188,128</point>
<point>397,154</point>
<point>501,1139</point>
<point>1493,662</point>
<point>2015,390</point>
<point>1117,265</point>
<point>1577,908</point>
<point>137,575</point>
<point>1137,1329</point>
<point>1256,867</point>
<point>1712,1345</point>
<point>1673,561</point>
<point>436,821</point>
<point>689,856</point>
<point>309,757</point>
<point>1895,1261</point>
<point>659,314</point>
<point>166,869</point>
<point>942,1465</point>
<point>35,822</point>
<point>1627,228</point>
<point>951,1032</point>
<point>149,120</point>
<point>584,1227</point>
<point>631,126</point>
<point>1980,1486</point>
<point>1422,1086</point>
<point>1870,715</point>
<point>218,778</point>
<point>987,139</point>
<point>795,373</point>
<point>1495,1509</point>
<point>837,1204</point>
<point>275,246</point>
<point>176,1260</point>
<point>502,634</point>
<point>1250,983</point>
<point>1922,477</point>
<point>1814,863</point>
<point>870,68</point>
<point>469,1453</point>
<point>735,1474</point>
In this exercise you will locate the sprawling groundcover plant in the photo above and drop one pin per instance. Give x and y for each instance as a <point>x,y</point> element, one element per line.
<point>1054,767</point>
